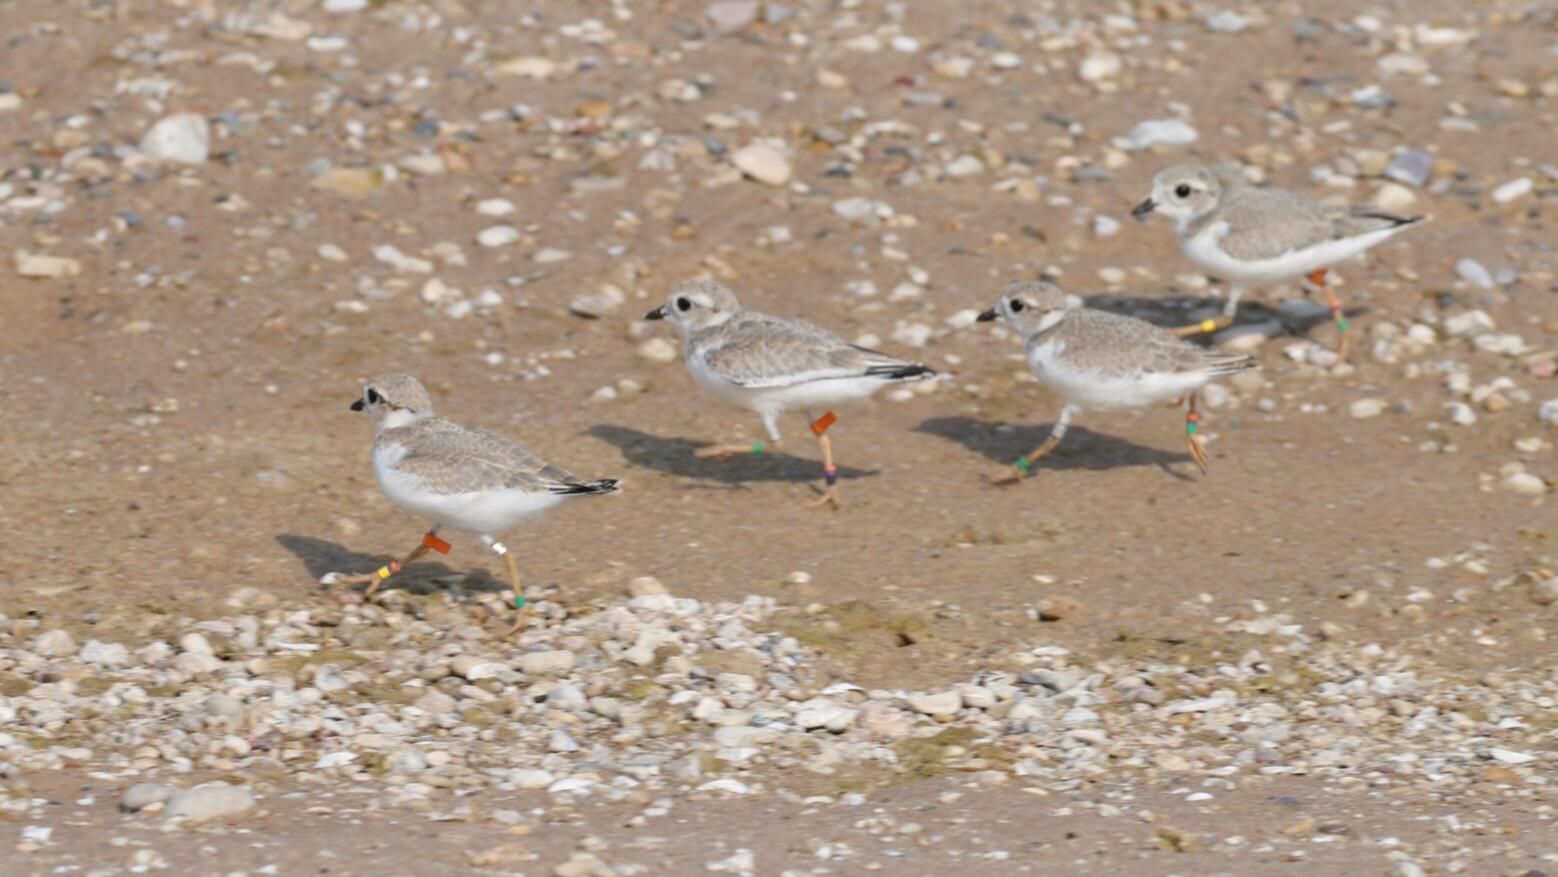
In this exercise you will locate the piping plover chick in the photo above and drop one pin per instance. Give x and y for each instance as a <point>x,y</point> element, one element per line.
<point>772,364</point>
<point>1253,238</point>
<point>1101,360</point>
<point>464,478</point>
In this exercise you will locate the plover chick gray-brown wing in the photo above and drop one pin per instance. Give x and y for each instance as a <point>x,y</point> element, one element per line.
<point>1253,237</point>
<point>461,477</point>
<point>770,365</point>
<point>1100,360</point>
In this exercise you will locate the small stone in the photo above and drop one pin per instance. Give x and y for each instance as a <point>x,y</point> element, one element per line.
<point>1226,21</point>
<point>349,182</point>
<point>1394,197</point>
<point>143,795</point>
<point>473,669</point>
<point>1469,324</point>
<point>44,267</point>
<point>560,741</point>
<point>944,703</point>
<point>763,163</point>
<point>495,207</point>
<point>528,67</point>
<point>1525,484</point>
<point>1413,167</point>
<point>1509,756</point>
<point>1363,408</point>
<point>594,305</point>
<point>497,236</point>
<point>1099,66</point>
<point>1513,190</point>
<point>964,166</point>
<point>436,703</point>
<point>658,350</point>
<point>183,138</point>
<point>1165,132</point>
<point>549,663</point>
<point>210,801</point>
<point>732,15</point>
<point>1545,593</point>
<point>54,644</point>
<point>643,586</point>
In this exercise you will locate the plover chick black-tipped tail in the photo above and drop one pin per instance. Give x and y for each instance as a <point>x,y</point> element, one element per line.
<point>604,485</point>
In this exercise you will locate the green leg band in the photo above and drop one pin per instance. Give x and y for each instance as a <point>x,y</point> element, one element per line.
<point>1190,429</point>
<point>757,448</point>
<point>519,601</point>
<point>1022,464</point>
<point>1341,325</point>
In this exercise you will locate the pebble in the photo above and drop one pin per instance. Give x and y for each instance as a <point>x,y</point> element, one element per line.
<point>1363,408</point>
<point>732,15</point>
<point>1412,167</point>
<point>1513,190</point>
<point>658,350</point>
<point>1157,132</point>
<point>763,163</point>
<point>41,266</point>
<point>593,305</point>
<point>143,795</point>
<point>1099,66</point>
<point>554,662</point>
<point>938,704</point>
<point>209,801</point>
<point>497,236</point>
<point>183,138</point>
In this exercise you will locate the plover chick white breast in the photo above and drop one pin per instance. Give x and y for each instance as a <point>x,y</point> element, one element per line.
<point>1101,360</point>
<point>464,478</point>
<point>771,364</point>
<point>1257,237</point>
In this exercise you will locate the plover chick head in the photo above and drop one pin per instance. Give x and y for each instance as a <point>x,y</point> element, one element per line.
<point>697,304</point>
<point>1183,193</point>
<point>394,400</point>
<point>1031,306</point>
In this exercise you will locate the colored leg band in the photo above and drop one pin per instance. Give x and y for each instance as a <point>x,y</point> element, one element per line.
<point>389,570</point>
<point>1022,464</point>
<point>757,448</point>
<point>1192,421</point>
<point>831,473</point>
<point>1208,325</point>
<point>821,424</point>
<point>435,543</point>
<point>519,601</point>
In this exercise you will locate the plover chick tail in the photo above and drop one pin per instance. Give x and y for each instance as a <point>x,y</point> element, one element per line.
<point>604,485</point>
<point>1254,238</point>
<point>770,365</point>
<point>1098,360</point>
<point>463,478</point>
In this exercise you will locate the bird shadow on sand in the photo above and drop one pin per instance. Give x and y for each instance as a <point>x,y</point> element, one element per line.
<point>423,577</point>
<point>1081,449</point>
<point>1173,311</point>
<point>675,456</point>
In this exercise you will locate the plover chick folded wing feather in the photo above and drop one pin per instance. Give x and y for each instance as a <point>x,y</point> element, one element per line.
<point>1265,224</point>
<point>446,458</point>
<point>1117,346</point>
<point>757,351</point>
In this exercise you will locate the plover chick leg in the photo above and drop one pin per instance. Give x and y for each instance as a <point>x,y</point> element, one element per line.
<point>830,472</point>
<point>1214,323</point>
<point>1023,464</point>
<point>1192,425</point>
<point>520,603</point>
<point>756,449</point>
<point>430,541</point>
<point>1318,279</point>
